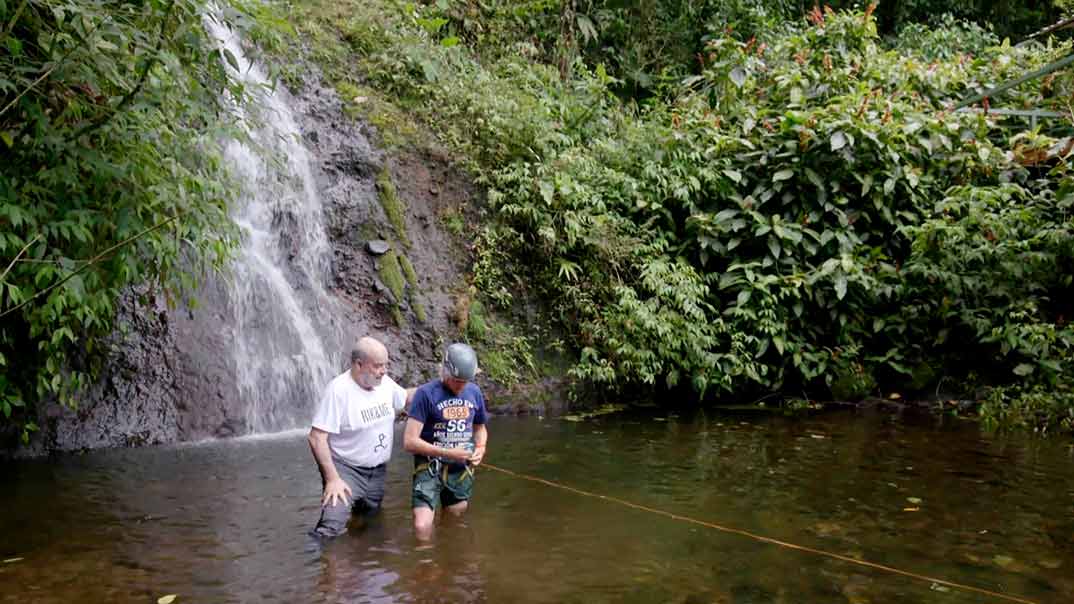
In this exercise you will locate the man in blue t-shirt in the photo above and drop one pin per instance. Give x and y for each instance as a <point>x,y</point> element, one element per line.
<point>447,434</point>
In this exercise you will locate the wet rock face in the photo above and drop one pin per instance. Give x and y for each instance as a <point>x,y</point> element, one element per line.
<point>167,377</point>
<point>134,403</point>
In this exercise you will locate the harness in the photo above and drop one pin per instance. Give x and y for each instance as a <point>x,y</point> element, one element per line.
<point>439,470</point>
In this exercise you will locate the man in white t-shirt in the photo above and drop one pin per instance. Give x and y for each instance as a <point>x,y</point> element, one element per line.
<point>351,437</point>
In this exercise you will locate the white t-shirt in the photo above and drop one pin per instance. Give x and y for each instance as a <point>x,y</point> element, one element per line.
<point>360,422</point>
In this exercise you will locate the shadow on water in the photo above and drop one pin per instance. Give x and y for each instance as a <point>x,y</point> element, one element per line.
<point>227,521</point>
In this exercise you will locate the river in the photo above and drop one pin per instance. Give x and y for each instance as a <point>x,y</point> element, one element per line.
<point>226,521</point>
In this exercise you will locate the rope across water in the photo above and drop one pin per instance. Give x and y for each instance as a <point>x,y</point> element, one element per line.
<point>762,538</point>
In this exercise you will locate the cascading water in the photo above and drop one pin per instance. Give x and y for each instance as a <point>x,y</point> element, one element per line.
<point>284,341</point>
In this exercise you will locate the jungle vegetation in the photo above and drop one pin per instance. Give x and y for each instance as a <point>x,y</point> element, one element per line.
<point>751,198</point>
<point>729,198</point>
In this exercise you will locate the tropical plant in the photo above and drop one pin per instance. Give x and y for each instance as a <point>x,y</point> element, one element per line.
<point>111,114</point>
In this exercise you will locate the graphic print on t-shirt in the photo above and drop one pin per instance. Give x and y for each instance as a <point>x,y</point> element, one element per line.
<point>456,427</point>
<point>448,418</point>
<point>373,414</point>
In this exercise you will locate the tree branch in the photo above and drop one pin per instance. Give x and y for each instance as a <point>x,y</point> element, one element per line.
<point>16,259</point>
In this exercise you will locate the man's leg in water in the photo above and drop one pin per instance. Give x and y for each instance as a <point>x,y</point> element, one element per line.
<point>367,489</point>
<point>423,499</point>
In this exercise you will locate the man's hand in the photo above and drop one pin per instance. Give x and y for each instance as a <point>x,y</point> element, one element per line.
<point>478,455</point>
<point>336,490</point>
<point>457,454</point>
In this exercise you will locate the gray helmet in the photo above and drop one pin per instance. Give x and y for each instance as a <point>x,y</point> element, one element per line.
<point>460,361</point>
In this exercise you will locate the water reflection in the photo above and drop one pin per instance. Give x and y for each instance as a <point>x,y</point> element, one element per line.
<point>228,521</point>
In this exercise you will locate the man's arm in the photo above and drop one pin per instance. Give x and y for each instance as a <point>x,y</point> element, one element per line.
<point>409,398</point>
<point>481,438</point>
<point>413,443</point>
<point>334,487</point>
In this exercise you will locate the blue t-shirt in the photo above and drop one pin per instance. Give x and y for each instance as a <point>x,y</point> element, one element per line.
<point>448,418</point>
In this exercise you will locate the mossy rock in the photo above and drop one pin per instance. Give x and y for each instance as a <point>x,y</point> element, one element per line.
<point>393,206</point>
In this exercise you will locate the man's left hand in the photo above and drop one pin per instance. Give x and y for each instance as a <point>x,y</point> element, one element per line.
<point>477,456</point>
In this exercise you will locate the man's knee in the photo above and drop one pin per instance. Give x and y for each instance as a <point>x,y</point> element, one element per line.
<point>329,528</point>
<point>333,521</point>
<point>423,522</point>
<point>458,509</point>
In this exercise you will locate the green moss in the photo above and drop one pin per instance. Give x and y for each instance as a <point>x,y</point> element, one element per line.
<point>396,272</point>
<point>412,279</point>
<point>419,311</point>
<point>408,271</point>
<point>393,206</point>
<point>392,278</point>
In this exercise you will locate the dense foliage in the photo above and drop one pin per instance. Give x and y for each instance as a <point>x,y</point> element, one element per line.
<point>110,118</point>
<point>652,44</point>
<point>803,213</point>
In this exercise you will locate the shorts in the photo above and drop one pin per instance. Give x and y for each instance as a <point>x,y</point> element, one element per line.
<point>449,486</point>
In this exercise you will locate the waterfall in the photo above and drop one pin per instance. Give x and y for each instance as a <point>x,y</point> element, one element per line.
<point>285,333</point>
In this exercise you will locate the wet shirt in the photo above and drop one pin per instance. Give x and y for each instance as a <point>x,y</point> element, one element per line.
<point>448,419</point>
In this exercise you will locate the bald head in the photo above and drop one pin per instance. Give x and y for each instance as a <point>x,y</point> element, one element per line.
<point>368,349</point>
<point>369,362</point>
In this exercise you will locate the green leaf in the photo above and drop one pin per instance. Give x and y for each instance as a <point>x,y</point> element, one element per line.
<point>734,175</point>
<point>866,184</point>
<point>231,60</point>
<point>738,76</point>
<point>840,285</point>
<point>14,46</point>
<point>774,247</point>
<point>1024,369</point>
<point>782,175</point>
<point>548,191</point>
<point>6,137</point>
<point>838,140</point>
<point>449,41</point>
<point>587,29</point>
<point>168,599</point>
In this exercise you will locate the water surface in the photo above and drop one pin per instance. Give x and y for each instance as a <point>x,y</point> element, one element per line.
<point>226,521</point>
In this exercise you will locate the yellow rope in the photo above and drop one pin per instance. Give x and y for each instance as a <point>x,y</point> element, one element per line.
<point>761,538</point>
